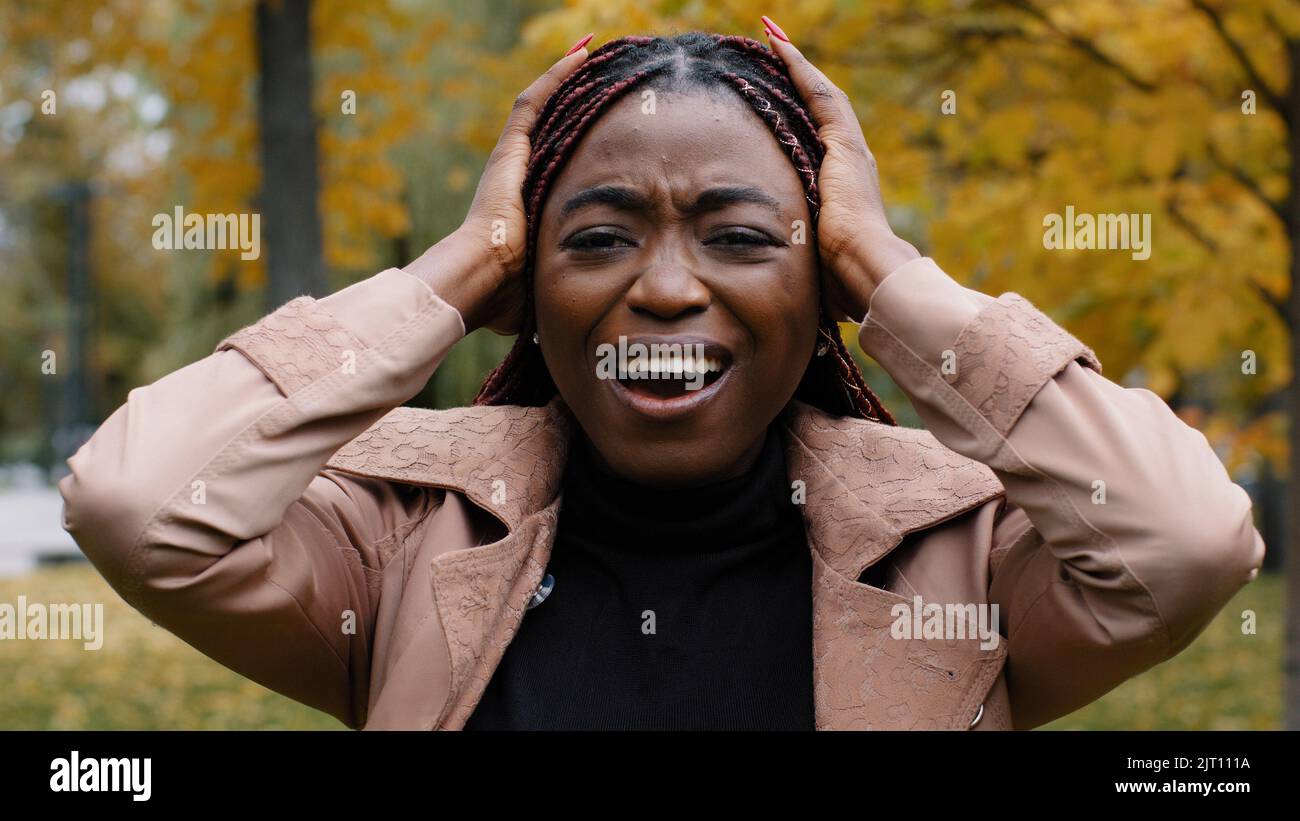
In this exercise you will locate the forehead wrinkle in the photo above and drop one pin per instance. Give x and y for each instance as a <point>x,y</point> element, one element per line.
<point>631,149</point>
<point>718,197</point>
<point>622,197</point>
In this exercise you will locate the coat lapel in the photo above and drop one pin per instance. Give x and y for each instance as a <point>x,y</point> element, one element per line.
<point>482,594</point>
<point>508,461</point>
<point>868,485</point>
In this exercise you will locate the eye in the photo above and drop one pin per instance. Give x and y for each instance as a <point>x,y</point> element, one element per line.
<point>596,240</point>
<point>741,238</point>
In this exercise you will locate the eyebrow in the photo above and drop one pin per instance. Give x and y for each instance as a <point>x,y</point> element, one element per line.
<point>715,199</point>
<point>624,199</point>
<point>712,199</point>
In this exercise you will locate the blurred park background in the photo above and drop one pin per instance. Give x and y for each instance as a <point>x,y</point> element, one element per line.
<point>357,130</point>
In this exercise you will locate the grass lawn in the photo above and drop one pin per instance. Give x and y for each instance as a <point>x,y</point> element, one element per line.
<point>145,678</point>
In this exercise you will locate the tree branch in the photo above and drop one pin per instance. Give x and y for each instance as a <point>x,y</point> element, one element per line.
<point>1185,222</point>
<point>1245,181</point>
<point>1083,44</point>
<point>1266,91</point>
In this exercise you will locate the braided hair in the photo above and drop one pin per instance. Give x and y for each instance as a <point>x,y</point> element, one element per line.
<point>832,381</point>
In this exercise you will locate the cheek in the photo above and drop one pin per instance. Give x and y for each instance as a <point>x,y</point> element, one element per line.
<point>552,306</point>
<point>557,300</point>
<point>569,306</point>
<point>781,310</point>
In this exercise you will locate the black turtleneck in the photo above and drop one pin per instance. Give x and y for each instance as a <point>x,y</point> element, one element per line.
<point>671,609</point>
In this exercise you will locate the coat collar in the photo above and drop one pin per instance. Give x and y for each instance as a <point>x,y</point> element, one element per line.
<point>506,459</point>
<point>864,487</point>
<point>870,484</point>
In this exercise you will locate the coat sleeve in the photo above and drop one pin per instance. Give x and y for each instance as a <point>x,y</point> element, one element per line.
<point>205,500</point>
<point>1122,534</point>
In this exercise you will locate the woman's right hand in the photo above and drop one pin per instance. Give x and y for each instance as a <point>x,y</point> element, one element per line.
<point>478,268</point>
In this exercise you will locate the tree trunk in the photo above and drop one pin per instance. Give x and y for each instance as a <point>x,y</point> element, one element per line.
<point>1291,548</point>
<point>290,219</point>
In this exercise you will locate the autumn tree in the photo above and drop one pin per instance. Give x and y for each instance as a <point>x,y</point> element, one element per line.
<point>150,106</point>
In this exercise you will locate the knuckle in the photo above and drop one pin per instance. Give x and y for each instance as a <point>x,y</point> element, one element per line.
<point>822,90</point>
<point>524,104</point>
<point>835,246</point>
<point>500,152</point>
<point>850,145</point>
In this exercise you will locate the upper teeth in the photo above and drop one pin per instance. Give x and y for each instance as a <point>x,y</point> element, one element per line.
<point>673,366</point>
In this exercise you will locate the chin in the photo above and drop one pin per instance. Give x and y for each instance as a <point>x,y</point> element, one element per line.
<point>673,464</point>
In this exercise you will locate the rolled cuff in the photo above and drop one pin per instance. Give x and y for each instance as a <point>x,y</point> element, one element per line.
<point>925,328</point>
<point>306,339</point>
<point>925,306</point>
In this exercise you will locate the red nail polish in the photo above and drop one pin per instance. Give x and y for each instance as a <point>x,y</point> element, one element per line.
<point>584,41</point>
<point>773,29</point>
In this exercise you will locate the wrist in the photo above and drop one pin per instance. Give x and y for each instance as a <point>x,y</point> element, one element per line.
<point>461,272</point>
<point>879,254</point>
<point>870,258</point>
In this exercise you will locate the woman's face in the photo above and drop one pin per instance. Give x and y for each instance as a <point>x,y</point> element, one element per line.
<point>674,223</point>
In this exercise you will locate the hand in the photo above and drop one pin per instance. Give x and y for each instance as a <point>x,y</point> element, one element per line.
<point>857,247</point>
<point>478,268</point>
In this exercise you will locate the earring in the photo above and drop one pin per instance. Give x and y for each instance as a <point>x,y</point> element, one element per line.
<point>536,341</point>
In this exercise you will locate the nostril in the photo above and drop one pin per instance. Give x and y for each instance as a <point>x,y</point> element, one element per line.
<point>668,295</point>
<point>667,312</point>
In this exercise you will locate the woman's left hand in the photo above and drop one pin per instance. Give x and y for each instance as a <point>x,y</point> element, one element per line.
<point>857,247</point>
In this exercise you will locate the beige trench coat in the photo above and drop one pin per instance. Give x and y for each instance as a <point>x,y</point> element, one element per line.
<point>273,507</point>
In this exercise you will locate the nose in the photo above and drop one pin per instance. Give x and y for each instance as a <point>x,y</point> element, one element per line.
<point>668,289</point>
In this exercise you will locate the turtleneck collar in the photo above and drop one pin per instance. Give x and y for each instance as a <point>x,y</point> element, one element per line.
<point>624,514</point>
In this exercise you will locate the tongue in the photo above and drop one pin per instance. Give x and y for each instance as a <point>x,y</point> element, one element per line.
<point>662,388</point>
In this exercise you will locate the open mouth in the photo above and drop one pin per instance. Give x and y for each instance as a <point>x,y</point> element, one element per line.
<point>667,376</point>
<point>673,376</point>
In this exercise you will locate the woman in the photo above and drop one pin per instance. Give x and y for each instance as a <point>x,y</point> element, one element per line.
<point>729,533</point>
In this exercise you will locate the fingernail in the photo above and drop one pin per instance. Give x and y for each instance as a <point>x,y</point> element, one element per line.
<point>773,29</point>
<point>584,41</point>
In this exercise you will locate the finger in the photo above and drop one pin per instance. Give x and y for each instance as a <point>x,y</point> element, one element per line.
<point>829,105</point>
<point>523,116</point>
